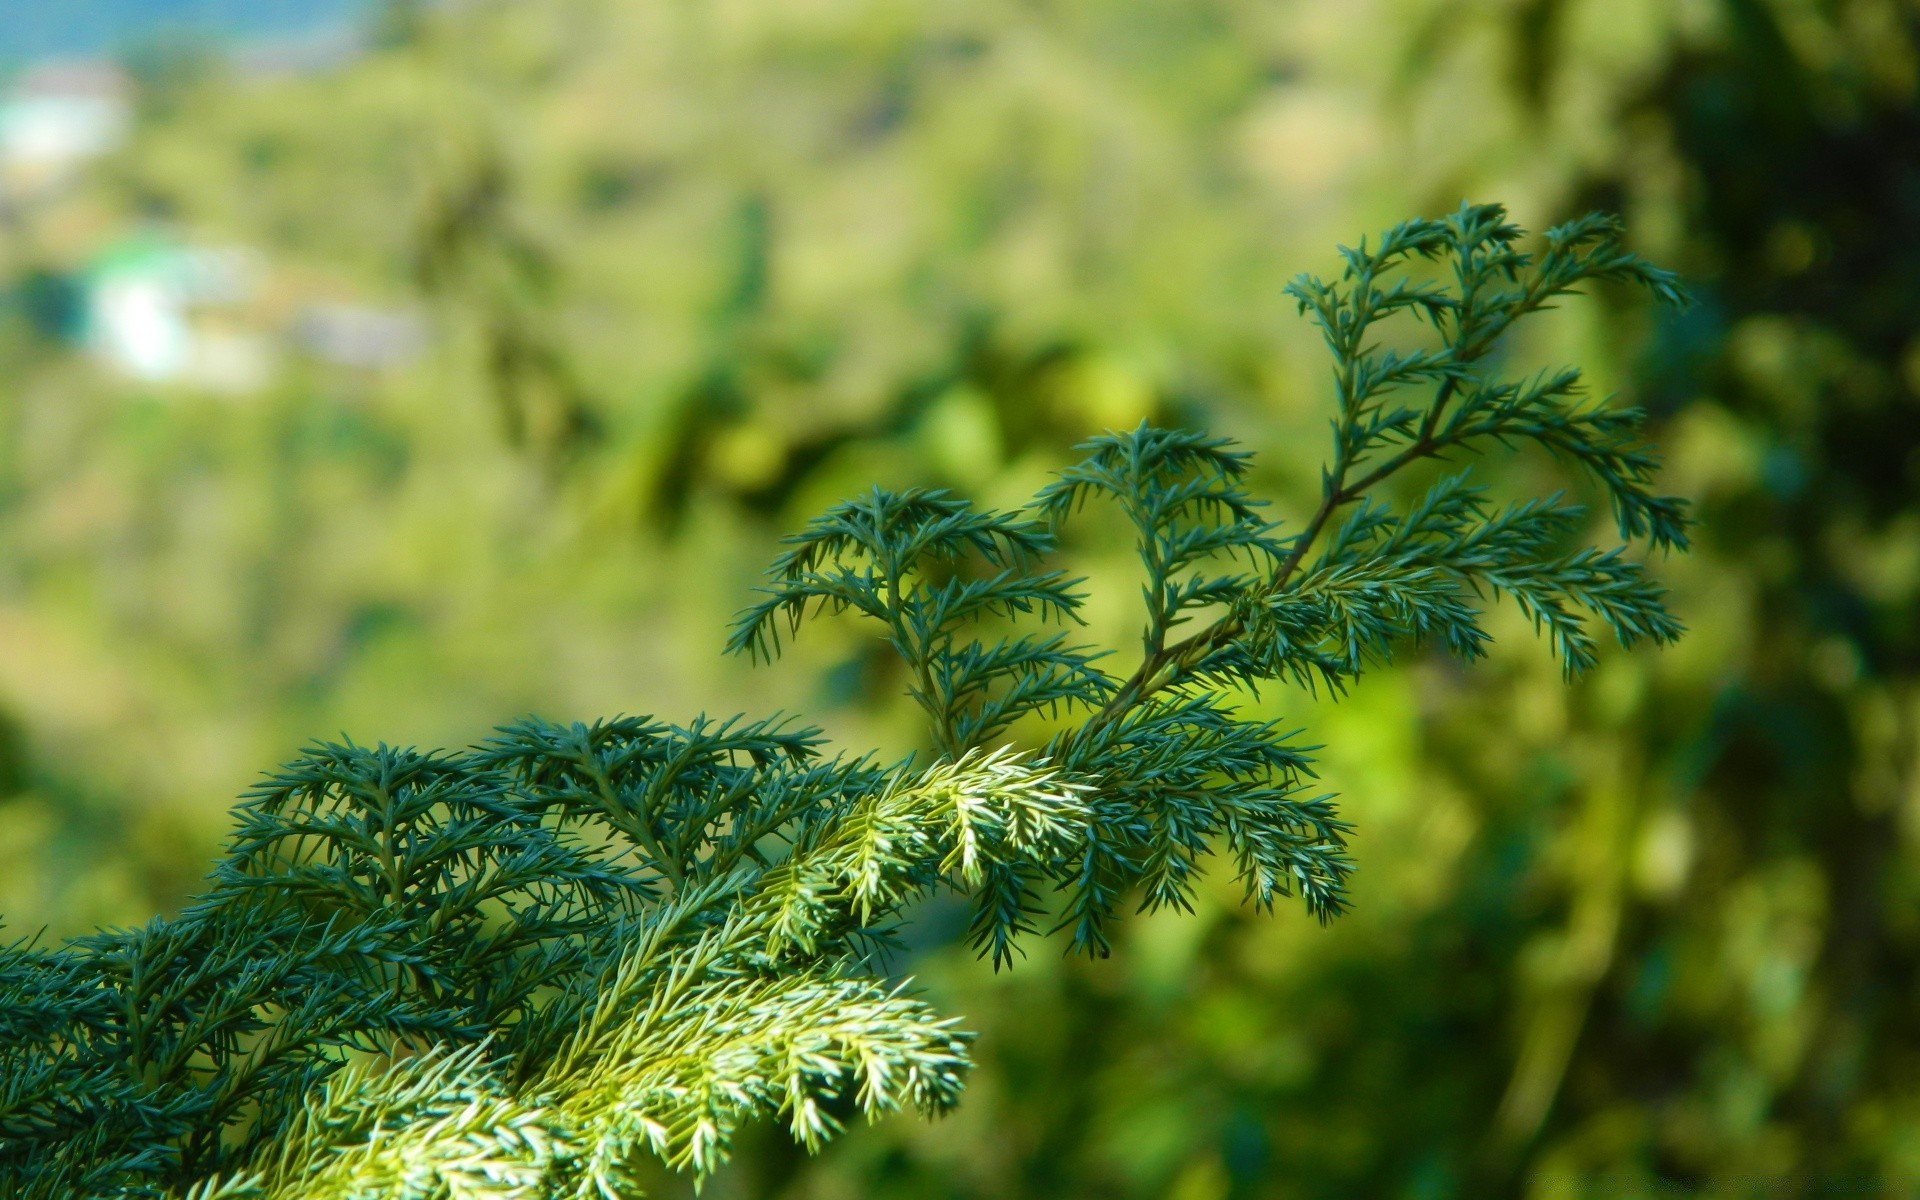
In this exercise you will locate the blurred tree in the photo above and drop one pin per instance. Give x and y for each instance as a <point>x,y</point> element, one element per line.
<point>1762,1015</point>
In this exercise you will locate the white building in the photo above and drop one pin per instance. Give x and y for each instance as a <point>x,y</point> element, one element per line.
<point>55,118</point>
<point>160,312</point>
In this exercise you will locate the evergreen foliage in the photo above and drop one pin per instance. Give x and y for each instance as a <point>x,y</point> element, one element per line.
<point>522,969</point>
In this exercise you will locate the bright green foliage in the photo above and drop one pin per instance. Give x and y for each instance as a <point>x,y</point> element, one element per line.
<point>523,969</point>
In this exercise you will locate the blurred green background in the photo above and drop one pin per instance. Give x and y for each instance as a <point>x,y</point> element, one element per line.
<point>396,369</point>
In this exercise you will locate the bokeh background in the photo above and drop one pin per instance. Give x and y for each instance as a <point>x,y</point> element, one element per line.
<point>396,369</point>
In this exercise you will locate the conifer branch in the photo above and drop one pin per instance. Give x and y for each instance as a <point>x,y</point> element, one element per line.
<point>524,969</point>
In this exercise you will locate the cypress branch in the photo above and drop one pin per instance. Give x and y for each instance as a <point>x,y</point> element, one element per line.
<point>523,969</point>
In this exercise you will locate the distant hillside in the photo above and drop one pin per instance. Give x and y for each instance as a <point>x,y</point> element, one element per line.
<point>33,29</point>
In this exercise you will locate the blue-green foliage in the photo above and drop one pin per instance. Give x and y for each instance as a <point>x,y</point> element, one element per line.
<point>521,969</point>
